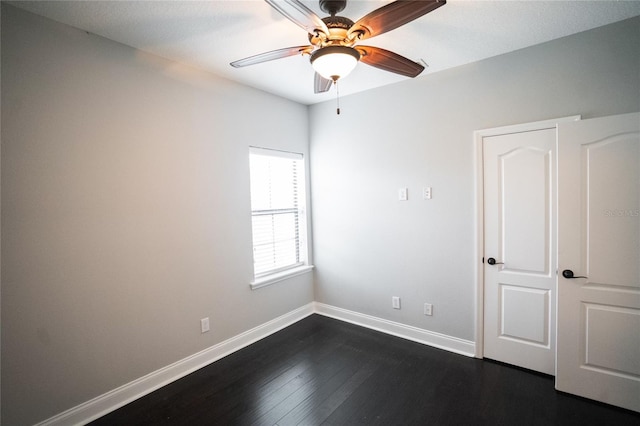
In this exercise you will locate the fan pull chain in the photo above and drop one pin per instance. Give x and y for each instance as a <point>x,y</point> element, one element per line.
<point>337,97</point>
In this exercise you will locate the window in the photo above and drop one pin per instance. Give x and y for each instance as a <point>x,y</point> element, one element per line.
<point>278,215</point>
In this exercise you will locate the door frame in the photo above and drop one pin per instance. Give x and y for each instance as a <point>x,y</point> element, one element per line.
<point>479,136</point>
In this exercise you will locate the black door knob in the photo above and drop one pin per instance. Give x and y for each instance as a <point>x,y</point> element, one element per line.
<point>568,273</point>
<point>492,261</point>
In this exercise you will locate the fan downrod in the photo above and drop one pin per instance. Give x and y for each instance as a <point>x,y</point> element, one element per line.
<point>332,7</point>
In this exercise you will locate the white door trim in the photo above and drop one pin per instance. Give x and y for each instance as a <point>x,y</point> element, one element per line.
<point>479,136</point>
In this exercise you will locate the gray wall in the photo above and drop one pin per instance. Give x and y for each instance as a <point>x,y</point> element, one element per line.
<point>369,246</point>
<point>126,213</point>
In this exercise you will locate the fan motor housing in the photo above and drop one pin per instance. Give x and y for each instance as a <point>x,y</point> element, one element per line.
<point>338,27</point>
<point>338,22</point>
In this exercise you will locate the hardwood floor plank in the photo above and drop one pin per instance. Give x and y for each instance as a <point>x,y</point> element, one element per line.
<point>319,412</point>
<point>369,402</point>
<point>339,387</point>
<point>322,373</point>
<point>283,387</point>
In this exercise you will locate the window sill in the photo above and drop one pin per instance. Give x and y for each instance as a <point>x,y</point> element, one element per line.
<point>280,276</point>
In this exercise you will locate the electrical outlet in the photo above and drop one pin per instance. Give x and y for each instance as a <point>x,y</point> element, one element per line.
<point>428,309</point>
<point>395,302</point>
<point>204,325</point>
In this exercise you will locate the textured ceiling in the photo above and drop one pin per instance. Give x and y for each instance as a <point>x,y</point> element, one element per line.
<point>211,34</point>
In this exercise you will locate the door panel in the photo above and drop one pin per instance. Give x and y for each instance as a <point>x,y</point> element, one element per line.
<point>524,314</point>
<point>599,238</point>
<point>519,207</point>
<point>609,164</point>
<point>605,350</point>
<point>523,214</point>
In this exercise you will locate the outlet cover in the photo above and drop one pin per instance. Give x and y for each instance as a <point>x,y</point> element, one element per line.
<point>428,309</point>
<point>204,325</point>
<point>395,302</point>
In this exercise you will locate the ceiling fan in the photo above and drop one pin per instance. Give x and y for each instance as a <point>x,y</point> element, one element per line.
<point>334,51</point>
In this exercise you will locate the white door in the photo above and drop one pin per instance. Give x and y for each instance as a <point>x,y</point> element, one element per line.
<point>520,236</point>
<point>599,238</point>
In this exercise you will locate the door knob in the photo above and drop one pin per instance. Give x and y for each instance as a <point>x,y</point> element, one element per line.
<point>568,273</point>
<point>492,261</point>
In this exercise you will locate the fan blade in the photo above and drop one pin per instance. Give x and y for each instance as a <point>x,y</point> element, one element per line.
<point>300,15</point>
<point>321,84</point>
<point>391,16</point>
<point>389,61</point>
<point>270,56</point>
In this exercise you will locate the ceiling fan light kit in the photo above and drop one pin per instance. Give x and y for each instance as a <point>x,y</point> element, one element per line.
<point>334,51</point>
<point>334,62</point>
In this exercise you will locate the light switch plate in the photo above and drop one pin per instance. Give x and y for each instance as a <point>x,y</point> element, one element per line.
<point>403,194</point>
<point>426,193</point>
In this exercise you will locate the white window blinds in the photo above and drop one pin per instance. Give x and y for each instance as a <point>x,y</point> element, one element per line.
<point>277,210</point>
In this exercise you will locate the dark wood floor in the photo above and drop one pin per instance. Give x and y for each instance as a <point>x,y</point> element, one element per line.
<point>321,371</point>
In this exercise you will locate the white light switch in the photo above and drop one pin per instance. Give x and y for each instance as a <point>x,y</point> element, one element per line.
<point>426,193</point>
<point>403,194</point>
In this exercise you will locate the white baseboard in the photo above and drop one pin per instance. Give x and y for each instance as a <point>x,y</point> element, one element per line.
<point>112,400</point>
<point>441,341</point>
